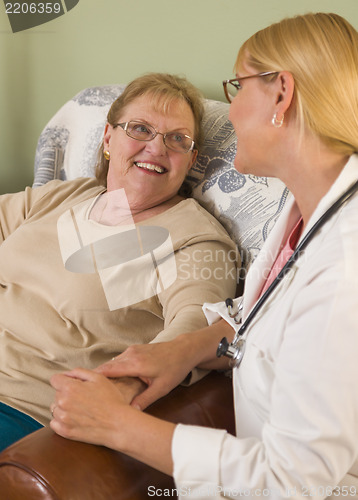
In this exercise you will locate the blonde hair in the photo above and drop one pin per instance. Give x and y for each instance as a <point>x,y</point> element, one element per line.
<point>321,52</point>
<point>163,89</point>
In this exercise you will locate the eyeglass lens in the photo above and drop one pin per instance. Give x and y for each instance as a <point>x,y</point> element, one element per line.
<point>232,90</point>
<point>173,140</point>
<point>232,87</point>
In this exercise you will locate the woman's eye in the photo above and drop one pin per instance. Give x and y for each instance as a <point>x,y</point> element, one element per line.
<point>177,137</point>
<point>141,129</point>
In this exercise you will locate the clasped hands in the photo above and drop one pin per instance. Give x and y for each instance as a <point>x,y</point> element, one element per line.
<point>90,405</point>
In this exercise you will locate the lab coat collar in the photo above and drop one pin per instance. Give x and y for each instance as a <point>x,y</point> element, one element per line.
<point>346,179</point>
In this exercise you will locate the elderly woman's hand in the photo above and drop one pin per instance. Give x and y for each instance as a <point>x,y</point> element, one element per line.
<point>88,407</point>
<point>129,387</point>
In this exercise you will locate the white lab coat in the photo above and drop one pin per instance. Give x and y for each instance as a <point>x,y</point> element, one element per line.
<point>296,391</point>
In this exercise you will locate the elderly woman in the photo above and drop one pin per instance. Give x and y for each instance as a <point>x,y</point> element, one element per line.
<point>296,95</point>
<point>90,266</point>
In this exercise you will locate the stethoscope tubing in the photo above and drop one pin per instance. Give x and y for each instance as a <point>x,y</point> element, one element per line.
<point>224,347</point>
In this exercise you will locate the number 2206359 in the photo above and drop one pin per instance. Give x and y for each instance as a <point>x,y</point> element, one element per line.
<point>33,8</point>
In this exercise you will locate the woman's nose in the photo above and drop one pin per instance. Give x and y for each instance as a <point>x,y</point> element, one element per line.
<point>156,145</point>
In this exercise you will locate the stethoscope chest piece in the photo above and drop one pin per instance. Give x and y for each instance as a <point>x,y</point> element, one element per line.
<point>235,351</point>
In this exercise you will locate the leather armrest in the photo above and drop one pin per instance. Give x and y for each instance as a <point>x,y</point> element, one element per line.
<point>44,466</point>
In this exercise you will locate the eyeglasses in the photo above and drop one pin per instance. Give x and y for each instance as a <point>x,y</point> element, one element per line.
<point>140,131</point>
<point>235,84</point>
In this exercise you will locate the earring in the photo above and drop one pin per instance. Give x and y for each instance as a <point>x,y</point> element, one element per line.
<point>106,155</point>
<point>277,123</point>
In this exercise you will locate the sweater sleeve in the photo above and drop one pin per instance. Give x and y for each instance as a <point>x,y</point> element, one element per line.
<point>14,209</point>
<point>206,272</point>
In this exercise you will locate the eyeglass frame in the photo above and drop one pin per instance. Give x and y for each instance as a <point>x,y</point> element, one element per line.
<point>235,82</point>
<point>124,126</point>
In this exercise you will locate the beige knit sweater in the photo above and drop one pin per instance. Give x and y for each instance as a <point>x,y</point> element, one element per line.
<point>53,319</point>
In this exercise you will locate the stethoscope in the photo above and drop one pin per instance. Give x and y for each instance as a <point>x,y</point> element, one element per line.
<point>236,349</point>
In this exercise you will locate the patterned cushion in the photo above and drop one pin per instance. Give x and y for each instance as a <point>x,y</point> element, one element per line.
<point>67,147</point>
<point>246,205</point>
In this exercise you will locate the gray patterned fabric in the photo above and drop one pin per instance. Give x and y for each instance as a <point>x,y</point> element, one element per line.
<point>246,205</point>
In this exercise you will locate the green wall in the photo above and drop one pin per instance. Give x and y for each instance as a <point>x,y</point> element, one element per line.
<point>112,41</point>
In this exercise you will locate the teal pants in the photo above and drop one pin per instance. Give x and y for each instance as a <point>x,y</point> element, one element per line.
<point>14,425</point>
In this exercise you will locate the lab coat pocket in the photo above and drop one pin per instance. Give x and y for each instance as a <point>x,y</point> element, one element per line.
<point>256,378</point>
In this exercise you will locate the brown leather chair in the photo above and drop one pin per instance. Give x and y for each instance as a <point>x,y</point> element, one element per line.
<point>44,466</point>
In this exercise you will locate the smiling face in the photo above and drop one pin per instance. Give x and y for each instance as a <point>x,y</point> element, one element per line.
<point>149,172</point>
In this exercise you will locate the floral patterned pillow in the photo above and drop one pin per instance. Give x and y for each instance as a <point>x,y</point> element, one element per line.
<point>246,205</point>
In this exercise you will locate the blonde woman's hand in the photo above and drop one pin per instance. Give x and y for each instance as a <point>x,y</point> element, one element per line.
<point>161,367</point>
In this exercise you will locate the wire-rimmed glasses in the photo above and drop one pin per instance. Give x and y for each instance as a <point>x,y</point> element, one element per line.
<point>140,131</point>
<point>231,92</point>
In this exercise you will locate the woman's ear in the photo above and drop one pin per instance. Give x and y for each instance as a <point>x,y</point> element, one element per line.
<point>107,135</point>
<point>285,91</point>
<point>193,158</point>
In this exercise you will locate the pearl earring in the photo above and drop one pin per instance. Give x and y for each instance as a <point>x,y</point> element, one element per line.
<point>277,123</point>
